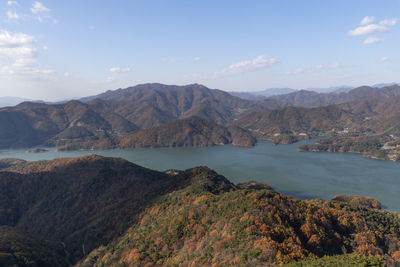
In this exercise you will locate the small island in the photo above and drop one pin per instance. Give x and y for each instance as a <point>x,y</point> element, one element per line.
<point>37,150</point>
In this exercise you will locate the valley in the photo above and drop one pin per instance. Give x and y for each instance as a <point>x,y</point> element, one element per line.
<point>77,208</point>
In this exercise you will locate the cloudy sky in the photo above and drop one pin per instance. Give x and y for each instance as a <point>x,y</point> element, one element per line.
<point>57,49</point>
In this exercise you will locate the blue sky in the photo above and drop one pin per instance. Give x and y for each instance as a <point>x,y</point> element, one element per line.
<point>60,49</point>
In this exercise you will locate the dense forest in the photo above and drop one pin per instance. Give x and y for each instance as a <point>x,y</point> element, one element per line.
<point>96,211</point>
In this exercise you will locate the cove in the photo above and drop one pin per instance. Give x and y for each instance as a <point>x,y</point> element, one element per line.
<point>297,174</point>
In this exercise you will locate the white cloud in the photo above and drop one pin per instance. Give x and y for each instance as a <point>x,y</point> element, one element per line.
<point>12,15</point>
<point>168,60</point>
<point>368,30</point>
<point>38,8</point>
<point>389,22</point>
<point>259,62</point>
<point>66,74</point>
<point>25,67</point>
<point>17,52</point>
<point>45,48</point>
<point>120,70</point>
<point>92,28</point>
<point>367,20</point>
<point>12,3</point>
<point>384,59</point>
<point>372,40</point>
<point>15,40</point>
<point>245,66</point>
<point>196,58</point>
<point>20,49</point>
<point>42,12</point>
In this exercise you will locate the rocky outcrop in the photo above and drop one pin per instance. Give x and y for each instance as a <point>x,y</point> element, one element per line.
<point>284,139</point>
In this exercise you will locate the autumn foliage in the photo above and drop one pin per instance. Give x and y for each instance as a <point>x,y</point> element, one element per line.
<point>252,227</point>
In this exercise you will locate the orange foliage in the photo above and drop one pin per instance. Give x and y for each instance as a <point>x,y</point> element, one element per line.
<point>199,199</point>
<point>396,255</point>
<point>314,240</point>
<point>132,255</point>
<point>213,233</point>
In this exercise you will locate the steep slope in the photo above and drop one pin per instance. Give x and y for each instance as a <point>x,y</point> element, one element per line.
<point>81,202</point>
<point>85,202</point>
<point>30,124</point>
<point>148,105</point>
<point>249,227</point>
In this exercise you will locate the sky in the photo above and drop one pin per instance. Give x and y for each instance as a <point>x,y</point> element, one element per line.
<point>53,49</point>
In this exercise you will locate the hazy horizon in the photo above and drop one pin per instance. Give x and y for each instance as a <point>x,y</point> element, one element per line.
<point>100,92</point>
<point>60,50</point>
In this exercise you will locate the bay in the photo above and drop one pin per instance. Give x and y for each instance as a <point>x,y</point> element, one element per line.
<point>298,174</point>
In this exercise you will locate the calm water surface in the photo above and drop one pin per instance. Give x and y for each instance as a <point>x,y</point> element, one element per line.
<point>299,174</point>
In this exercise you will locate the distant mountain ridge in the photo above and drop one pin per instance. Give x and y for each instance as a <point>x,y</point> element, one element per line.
<point>264,93</point>
<point>253,95</point>
<point>8,101</point>
<point>310,99</point>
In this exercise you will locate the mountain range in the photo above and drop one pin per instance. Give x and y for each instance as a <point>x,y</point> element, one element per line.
<point>157,115</point>
<point>117,113</point>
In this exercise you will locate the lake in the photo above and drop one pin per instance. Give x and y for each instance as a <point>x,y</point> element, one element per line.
<point>298,174</point>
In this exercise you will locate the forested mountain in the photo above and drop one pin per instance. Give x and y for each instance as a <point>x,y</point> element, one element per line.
<point>193,131</point>
<point>154,104</point>
<point>116,113</point>
<point>29,124</point>
<point>298,121</point>
<point>104,211</point>
<point>157,115</point>
<point>80,203</point>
